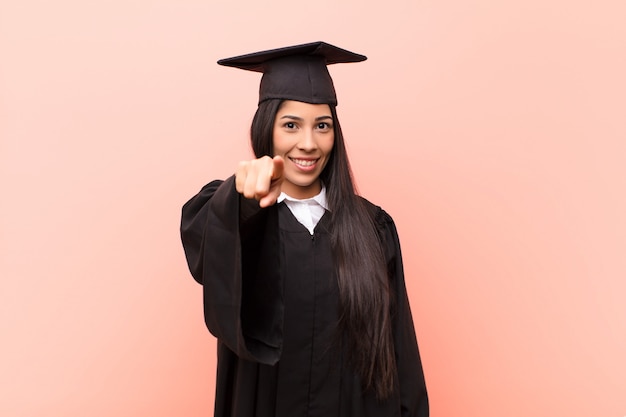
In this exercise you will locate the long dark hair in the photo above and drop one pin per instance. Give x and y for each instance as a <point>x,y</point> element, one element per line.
<point>359,260</point>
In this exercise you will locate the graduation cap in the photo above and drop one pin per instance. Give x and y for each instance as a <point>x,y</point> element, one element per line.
<point>296,72</point>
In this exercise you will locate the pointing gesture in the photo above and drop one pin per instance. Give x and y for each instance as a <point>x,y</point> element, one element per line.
<point>260,179</point>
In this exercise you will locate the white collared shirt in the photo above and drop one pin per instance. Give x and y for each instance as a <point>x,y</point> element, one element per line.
<point>308,211</point>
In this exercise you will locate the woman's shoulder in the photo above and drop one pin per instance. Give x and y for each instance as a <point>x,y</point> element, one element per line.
<point>378,214</point>
<point>386,230</point>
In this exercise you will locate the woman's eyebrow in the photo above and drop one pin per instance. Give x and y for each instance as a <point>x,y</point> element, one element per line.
<point>288,116</point>
<point>317,119</point>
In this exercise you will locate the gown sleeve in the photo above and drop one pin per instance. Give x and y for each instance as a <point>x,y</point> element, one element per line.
<point>231,249</point>
<point>412,386</point>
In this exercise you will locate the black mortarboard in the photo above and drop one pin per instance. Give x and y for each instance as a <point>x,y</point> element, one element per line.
<point>296,72</point>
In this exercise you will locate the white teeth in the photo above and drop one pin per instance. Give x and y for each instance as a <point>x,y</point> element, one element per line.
<point>304,163</point>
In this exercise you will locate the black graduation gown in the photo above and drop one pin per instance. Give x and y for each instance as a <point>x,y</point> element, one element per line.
<point>270,298</point>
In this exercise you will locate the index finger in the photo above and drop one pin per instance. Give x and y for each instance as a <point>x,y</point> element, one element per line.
<point>278,165</point>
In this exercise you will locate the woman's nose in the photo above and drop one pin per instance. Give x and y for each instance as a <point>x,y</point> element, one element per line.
<point>307,141</point>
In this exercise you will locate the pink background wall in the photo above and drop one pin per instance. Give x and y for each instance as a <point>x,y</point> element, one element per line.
<point>493,132</point>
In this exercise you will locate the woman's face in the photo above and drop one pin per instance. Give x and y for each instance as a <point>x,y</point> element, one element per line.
<point>304,137</point>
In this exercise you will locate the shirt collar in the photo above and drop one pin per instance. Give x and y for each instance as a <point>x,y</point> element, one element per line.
<point>319,199</point>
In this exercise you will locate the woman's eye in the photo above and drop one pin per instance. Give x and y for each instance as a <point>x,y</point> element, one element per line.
<point>323,126</point>
<point>290,125</point>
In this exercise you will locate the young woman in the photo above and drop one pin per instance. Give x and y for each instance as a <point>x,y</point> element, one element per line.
<point>303,280</point>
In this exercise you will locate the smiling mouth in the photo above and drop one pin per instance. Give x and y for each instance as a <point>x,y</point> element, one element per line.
<point>304,162</point>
